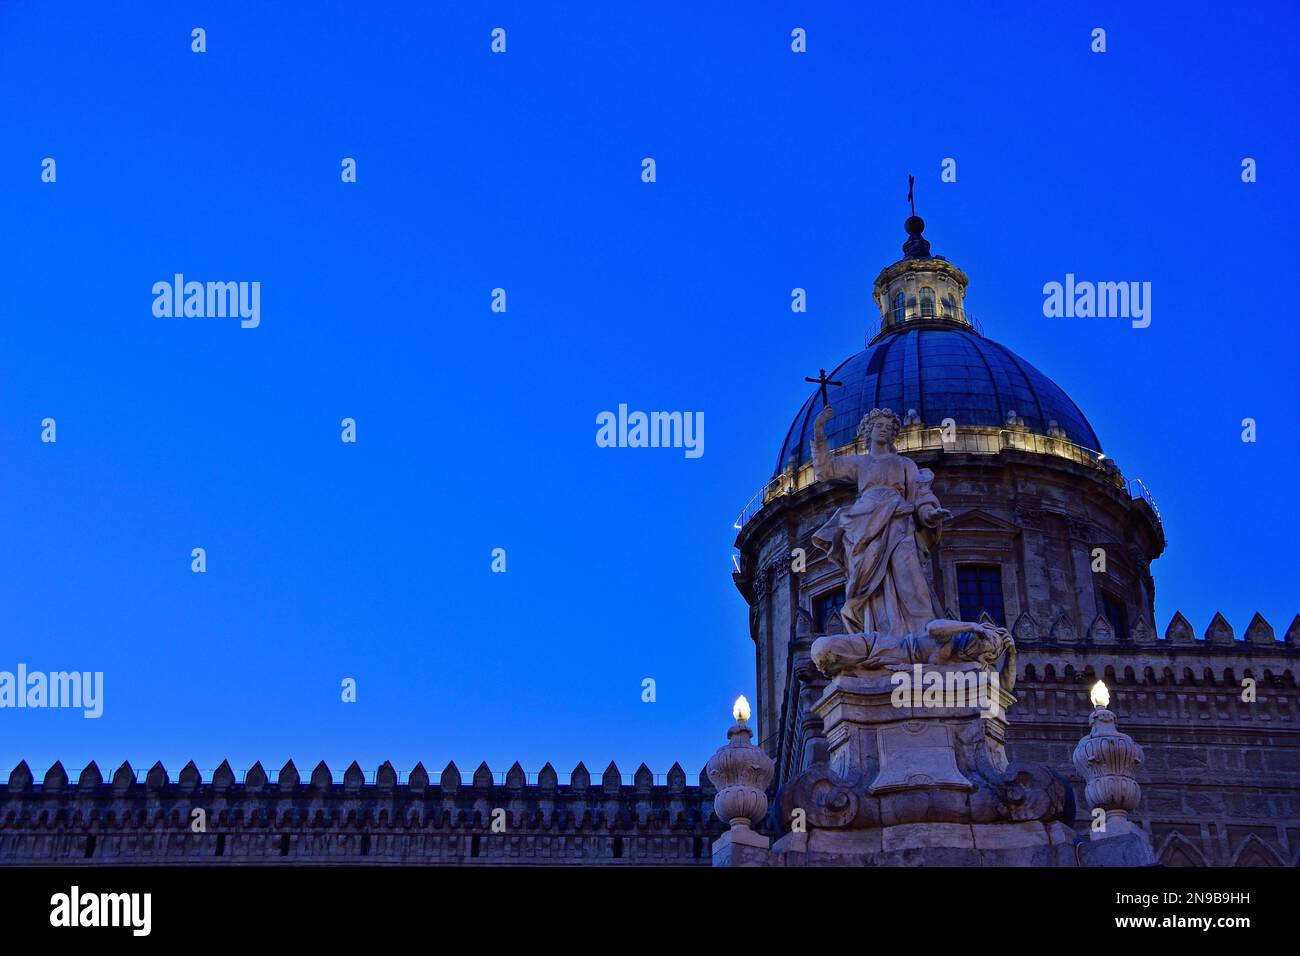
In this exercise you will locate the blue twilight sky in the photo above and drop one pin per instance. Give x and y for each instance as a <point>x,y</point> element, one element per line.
<point>476,430</point>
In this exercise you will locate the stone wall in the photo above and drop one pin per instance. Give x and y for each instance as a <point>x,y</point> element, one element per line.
<point>1221,779</point>
<point>324,822</point>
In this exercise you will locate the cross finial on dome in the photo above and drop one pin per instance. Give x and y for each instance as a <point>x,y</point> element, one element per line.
<point>920,287</point>
<point>916,246</point>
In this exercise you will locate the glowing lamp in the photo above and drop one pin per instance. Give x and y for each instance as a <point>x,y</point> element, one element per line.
<point>1100,695</point>
<point>740,710</point>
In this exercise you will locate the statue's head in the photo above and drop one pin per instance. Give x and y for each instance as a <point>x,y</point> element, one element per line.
<point>882,423</point>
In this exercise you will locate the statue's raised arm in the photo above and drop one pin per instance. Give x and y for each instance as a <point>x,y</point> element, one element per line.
<point>825,465</point>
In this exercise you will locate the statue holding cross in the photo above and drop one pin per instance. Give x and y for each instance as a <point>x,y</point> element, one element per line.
<point>883,538</point>
<point>882,541</point>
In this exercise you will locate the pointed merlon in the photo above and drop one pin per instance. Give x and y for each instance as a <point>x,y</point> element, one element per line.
<point>1293,632</point>
<point>223,778</point>
<point>156,778</point>
<point>547,779</point>
<point>1179,630</point>
<point>353,778</point>
<point>1025,629</point>
<point>20,778</point>
<point>451,779</point>
<point>1062,628</point>
<point>676,778</point>
<point>1219,631</point>
<point>123,778</point>
<point>643,779</point>
<point>1259,631</point>
<point>90,777</point>
<point>1099,631</point>
<point>288,778</point>
<point>612,779</point>
<point>56,778</point>
<point>580,779</point>
<point>418,781</point>
<point>483,777</point>
<point>321,778</point>
<point>516,779</point>
<point>1142,632</point>
<point>255,779</point>
<point>190,777</point>
<point>386,776</point>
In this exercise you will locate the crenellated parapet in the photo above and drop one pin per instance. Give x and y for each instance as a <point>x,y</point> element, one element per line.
<point>1181,701</point>
<point>1178,680</point>
<point>1218,715</point>
<point>485,820</point>
<point>1179,658</point>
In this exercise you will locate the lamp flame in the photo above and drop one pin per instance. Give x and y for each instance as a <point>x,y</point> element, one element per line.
<point>1100,695</point>
<point>740,710</point>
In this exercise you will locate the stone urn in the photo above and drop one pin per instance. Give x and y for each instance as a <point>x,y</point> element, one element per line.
<point>741,773</point>
<point>1108,760</point>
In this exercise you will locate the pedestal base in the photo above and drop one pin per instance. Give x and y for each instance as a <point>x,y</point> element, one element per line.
<point>898,742</point>
<point>916,785</point>
<point>932,844</point>
<point>741,847</point>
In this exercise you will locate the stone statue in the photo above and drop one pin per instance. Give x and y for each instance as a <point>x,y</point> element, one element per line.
<point>882,539</point>
<point>893,776</point>
<point>939,642</point>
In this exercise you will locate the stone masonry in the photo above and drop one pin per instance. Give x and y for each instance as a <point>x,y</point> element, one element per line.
<point>448,822</point>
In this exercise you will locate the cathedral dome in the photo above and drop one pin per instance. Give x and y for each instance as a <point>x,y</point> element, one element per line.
<point>939,370</point>
<point>928,362</point>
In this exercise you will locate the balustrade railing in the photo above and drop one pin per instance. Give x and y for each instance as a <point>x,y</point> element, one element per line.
<point>967,440</point>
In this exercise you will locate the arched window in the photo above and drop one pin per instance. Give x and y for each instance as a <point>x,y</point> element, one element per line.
<point>899,307</point>
<point>927,303</point>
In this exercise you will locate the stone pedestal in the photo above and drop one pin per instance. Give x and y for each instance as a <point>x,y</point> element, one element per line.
<point>914,772</point>
<point>932,844</point>
<point>913,746</point>
<point>922,780</point>
<point>741,847</point>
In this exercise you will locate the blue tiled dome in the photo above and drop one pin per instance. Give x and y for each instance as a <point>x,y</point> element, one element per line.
<point>946,372</point>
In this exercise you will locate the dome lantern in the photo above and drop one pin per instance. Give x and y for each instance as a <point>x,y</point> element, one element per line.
<point>920,289</point>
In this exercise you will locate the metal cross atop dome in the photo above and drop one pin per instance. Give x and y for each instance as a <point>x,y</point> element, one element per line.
<point>823,381</point>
